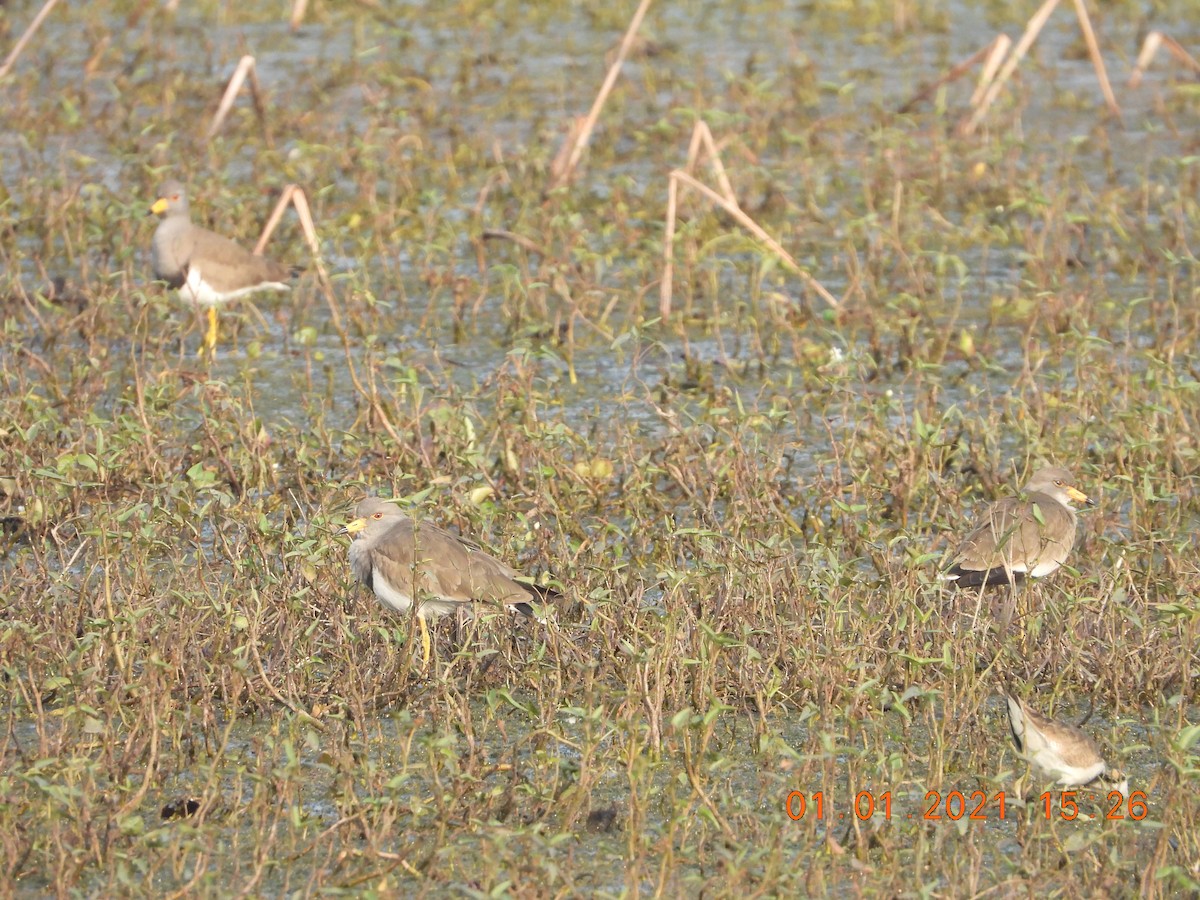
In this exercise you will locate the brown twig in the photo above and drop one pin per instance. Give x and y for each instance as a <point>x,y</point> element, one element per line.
<point>286,197</point>
<point>558,165</point>
<point>953,74</point>
<point>1150,47</point>
<point>497,234</point>
<point>702,139</point>
<point>24,39</point>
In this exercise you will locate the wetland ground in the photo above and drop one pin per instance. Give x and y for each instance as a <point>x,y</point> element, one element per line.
<point>745,504</point>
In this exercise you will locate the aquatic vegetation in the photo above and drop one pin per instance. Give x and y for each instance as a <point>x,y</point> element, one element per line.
<point>745,505</point>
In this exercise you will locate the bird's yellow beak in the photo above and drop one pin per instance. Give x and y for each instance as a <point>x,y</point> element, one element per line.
<point>158,207</point>
<point>1079,496</point>
<point>354,526</point>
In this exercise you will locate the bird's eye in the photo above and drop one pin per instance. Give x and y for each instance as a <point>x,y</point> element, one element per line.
<point>377,516</point>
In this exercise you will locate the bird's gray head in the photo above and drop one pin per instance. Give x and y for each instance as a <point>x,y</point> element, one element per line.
<point>1058,483</point>
<point>172,199</point>
<point>373,515</point>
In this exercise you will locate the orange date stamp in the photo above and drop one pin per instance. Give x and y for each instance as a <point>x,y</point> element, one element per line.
<point>973,806</point>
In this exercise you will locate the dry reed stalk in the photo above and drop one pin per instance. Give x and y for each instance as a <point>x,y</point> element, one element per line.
<point>703,146</point>
<point>1150,47</point>
<point>953,74</point>
<point>288,195</point>
<point>25,38</point>
<point>750,225</point>
<point>299,7</point>
<point>1154,40</point>
<point>294,194</point>
<point>581,135</point>
<point>1089,37</point>
<point>1032,30</point>
<point>245,69</point>
<point>666,287</point>
<point>574,134</point>
<point>998,50</point>
<point>701,139</point>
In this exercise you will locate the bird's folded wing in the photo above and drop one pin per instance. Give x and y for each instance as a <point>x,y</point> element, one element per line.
<point>228,266</point>
<point>1015,534</point>
<point>435,562</point>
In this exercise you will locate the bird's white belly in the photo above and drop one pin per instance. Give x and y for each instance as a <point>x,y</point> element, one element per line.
<point>196,290</point>
<point>1044,568</point>
<point>388,595</point>
<point>431,607</point>
<point>1065,773</point>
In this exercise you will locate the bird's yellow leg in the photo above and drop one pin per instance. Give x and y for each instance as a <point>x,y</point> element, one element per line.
<point>210,336</point>
<point>425,642</point>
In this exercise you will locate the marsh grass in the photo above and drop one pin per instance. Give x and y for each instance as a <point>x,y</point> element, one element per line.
<point>745,507</point>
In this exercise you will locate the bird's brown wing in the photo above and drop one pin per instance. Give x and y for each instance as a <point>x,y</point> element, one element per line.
<point>1047,532</point>
<point>1074,745</point>
<point>422,558</point>
<point>230,267</point>
<point>1013,534</point>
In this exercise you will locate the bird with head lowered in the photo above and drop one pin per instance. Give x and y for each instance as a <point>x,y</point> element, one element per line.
<point>1064,753</point>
